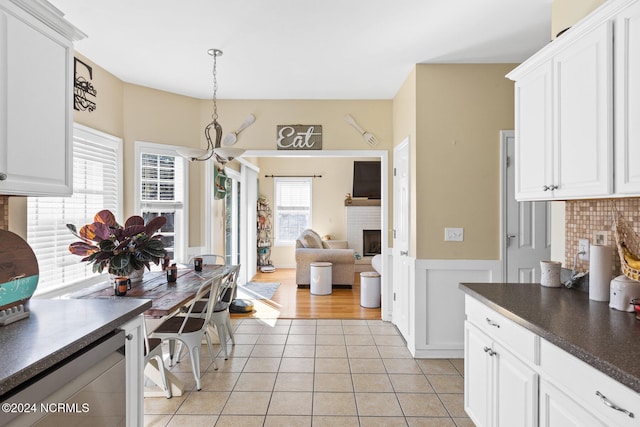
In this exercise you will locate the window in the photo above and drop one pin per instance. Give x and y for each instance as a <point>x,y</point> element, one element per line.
<point>97,174</point>
<point>292,208</point>
<point>161,191</point>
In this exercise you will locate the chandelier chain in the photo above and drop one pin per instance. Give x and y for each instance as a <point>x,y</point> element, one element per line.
<point>215,87</point>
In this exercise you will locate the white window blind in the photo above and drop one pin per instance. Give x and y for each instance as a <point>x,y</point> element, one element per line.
<point>162,191</point>
<point>96,186</point>
<point>292,208</point>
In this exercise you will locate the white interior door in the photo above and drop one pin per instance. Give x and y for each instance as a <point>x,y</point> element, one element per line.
<point>527,234</point>
<point>401,237</point>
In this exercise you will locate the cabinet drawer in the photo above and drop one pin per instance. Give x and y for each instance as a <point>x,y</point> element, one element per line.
<point>582,381</point>
<point>519,340</point>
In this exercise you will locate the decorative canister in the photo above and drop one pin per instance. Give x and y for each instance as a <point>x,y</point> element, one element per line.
<point>550,274</point>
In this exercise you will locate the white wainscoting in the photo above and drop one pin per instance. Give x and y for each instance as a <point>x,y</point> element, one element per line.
<point>438,321</point>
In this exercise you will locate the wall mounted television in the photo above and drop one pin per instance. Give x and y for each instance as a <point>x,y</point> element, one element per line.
<point>366,179</point>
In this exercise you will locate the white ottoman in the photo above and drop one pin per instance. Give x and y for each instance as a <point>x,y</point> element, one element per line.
<point>369,289</point>
<point>320,278</point>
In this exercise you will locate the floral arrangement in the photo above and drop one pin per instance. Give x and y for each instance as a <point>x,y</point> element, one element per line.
<point>121,249</point>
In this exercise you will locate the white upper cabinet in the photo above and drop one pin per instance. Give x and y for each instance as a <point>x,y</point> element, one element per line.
<point>583,129</point>
<point>627,106</point>
<point>534,144</point>
<point>576,122</point>
<point>36,99</point>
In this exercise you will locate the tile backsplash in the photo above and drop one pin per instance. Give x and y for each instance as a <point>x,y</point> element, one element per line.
<point>586,217</point>
<point>4,212</point>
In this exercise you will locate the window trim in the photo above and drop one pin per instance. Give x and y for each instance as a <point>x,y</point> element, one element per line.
<point>276,240</point>
<point>182,231</point>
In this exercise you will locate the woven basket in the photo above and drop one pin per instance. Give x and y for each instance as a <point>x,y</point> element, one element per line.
<point>626,237</point>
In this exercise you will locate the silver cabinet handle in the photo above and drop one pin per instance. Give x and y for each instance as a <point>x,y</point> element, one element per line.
<point>129,337</point>
<point>489,351</point>
<point>3,176</point>
<point>404,253</point>
<point>549,187</point>
<point>492,323</point>
<point>611,405</point>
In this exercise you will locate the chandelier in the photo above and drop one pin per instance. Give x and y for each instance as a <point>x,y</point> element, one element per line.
<point>222,154</point>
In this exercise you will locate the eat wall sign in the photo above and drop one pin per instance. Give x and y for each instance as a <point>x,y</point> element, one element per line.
<point>299,137</point>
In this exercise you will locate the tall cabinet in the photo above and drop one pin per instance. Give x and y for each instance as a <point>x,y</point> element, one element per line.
<point>36,99</point>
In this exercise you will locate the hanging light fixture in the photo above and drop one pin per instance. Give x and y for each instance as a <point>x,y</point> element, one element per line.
<point>222,154</point>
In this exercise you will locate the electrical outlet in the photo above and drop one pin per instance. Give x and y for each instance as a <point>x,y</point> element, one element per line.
<point>600,238</point>
<point>583,249</point>
<point>453,234</point>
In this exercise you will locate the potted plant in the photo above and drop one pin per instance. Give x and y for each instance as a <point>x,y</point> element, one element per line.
<point>123,250</point>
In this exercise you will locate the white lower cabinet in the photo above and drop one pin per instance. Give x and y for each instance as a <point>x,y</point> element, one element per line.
<point>500,389</point>
<point>559,410</point>
<point>134,359</point>
<point>515,378</point>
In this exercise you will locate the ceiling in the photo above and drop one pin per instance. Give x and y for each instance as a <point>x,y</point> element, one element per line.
<point>300,49</point>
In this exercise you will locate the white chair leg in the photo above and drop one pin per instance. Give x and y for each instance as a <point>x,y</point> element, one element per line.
<point>229,328</point>
<point>172,350</point>
<point>213,359</point>
<point>195,364</point>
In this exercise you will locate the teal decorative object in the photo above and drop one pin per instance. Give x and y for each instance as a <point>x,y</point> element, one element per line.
<point>19,276</point>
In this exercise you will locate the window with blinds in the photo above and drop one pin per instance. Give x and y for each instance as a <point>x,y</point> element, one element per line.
<point>96,186</point>
<point>162,192</point>
<point>292,208</point>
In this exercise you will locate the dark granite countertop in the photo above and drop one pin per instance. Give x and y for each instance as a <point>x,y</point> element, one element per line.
<point>607,339</point>
<point>57,329</point>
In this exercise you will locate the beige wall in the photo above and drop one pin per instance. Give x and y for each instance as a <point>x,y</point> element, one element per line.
<point>565,13</point>
<point>404,126</point>
<point>460,110</point>
<point>328,210</point>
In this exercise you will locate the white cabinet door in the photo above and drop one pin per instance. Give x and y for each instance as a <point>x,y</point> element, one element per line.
<point>516,390</point>
<point>499,389</point>
<point>477,375</point>
<point>559,410</point>
<point>627,68</point>
<point>533,121</point>
<point>583,129</point>
<point>35,106</point>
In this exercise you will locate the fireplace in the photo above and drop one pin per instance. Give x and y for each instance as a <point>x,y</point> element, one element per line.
<point>371,242</point>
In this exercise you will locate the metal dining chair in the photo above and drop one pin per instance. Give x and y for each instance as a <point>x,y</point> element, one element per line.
<point>220,318</point>
<point>191,327</point>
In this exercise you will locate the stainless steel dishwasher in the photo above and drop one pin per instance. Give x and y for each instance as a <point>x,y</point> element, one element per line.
<point>88,389</point>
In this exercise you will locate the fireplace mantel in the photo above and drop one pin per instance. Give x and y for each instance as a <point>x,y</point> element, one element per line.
<point>362,202</point>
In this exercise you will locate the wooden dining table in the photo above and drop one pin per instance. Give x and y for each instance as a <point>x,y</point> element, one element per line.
<point>167,298</point>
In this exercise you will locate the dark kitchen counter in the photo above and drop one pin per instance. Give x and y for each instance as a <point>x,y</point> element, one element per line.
<point>56,329</point>
<point>607,339</point>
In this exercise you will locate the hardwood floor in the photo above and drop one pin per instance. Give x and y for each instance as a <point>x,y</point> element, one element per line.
<point>289,302</point>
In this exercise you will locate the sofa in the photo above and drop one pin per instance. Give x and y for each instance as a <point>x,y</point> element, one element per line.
<point>311,248</point>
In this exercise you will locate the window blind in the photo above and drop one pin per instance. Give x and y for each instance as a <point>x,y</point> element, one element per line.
<point>162,192</point>
<point>96,186</point>
<point>292,208</point>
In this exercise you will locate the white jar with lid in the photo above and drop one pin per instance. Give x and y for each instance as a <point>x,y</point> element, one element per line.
<point>623,290</point>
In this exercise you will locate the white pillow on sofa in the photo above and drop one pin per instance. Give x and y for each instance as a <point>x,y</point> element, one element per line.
<point>310,239</point>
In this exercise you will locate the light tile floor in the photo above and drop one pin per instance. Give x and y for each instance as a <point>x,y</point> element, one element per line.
<point>316,373</point>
